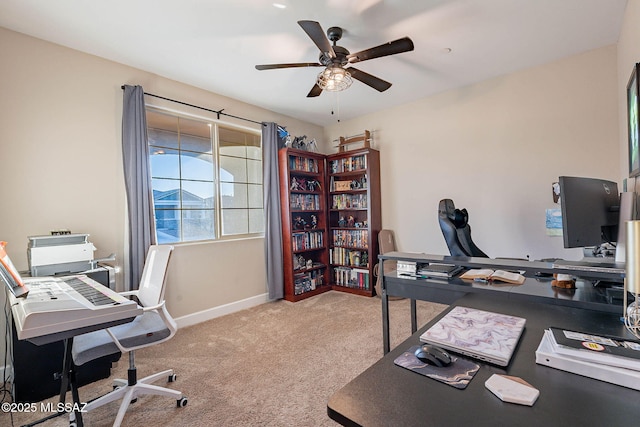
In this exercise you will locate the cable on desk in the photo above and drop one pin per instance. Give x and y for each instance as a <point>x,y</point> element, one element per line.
<point>7,381</point>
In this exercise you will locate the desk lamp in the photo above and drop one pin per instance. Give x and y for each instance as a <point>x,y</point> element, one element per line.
<point>632,278</point>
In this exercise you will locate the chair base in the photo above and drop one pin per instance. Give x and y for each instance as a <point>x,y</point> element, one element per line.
<point>130,392</point>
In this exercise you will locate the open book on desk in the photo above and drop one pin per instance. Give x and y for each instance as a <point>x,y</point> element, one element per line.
<point>488,275</point>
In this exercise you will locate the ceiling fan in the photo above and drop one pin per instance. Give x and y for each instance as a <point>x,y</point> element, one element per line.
<point>337,76</point>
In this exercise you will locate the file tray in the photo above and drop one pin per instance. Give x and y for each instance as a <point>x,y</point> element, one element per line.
<point>545,355</point>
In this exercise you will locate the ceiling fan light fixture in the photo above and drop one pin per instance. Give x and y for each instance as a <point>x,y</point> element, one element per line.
<point>334,79</point>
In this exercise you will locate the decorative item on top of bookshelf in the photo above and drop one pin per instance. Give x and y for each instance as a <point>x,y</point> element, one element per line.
<point>301,143</point>
<point>364,138</point>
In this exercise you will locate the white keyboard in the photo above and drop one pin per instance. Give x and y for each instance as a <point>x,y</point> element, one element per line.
<point>57,308</point>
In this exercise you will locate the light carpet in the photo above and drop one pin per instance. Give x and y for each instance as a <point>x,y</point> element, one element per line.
<point>275,364</point>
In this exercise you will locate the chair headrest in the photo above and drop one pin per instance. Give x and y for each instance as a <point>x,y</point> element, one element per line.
<point>447,209</point>
<point>459,217</point>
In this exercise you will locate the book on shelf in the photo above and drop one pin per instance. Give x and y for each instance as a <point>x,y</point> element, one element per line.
<point>488,275</point>
<point>355,278</point>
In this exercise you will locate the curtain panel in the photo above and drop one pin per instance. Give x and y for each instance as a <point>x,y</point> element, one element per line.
<point>273,220</point>
<point>135,154</point>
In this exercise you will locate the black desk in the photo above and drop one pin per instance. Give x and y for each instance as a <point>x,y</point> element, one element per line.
<point>533,290</point>
<point>389,395</point>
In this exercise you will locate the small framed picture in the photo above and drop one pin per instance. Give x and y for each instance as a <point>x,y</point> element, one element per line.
<point>342,185</point>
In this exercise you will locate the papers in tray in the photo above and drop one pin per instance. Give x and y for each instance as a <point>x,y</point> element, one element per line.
<point>439,270</point>
<point>547,355</point>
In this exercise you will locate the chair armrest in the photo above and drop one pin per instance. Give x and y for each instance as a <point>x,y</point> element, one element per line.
<point>153,307</point>
<point>128,293</point>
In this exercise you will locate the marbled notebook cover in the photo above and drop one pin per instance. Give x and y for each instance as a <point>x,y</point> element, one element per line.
<point>489,336</point>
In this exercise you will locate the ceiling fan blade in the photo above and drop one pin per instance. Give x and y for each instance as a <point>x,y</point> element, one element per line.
<point>315,91</point>
<point>294,65</point>
<point>391,48</point>
<point>366,78</point>
<point>317,35</point>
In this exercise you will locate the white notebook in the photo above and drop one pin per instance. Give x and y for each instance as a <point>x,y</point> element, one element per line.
<point>491,337</point>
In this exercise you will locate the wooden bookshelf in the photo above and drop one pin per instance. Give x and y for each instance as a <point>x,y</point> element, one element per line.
<point>304,223</point>
<point>354,219</point>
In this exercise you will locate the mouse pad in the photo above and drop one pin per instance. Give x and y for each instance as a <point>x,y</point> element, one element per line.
<point>457,374</point>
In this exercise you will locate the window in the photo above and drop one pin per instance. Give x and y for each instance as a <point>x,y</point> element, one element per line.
<point>206,179</point>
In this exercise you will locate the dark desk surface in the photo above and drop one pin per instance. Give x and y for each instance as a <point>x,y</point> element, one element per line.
<point>597,268</point>
<point>389,395</point>
<point>534,289</point>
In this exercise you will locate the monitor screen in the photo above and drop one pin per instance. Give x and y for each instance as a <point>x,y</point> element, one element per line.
<point>633,121</point>
<point>9,275</point>
<point>590,211</point>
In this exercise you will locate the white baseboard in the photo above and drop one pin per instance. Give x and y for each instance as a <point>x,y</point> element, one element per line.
<point>212,313</point>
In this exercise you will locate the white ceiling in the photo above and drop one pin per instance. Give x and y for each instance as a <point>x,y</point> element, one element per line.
<point>215,44</point>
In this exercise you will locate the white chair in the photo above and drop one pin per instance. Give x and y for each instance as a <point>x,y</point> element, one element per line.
<point>153,327</point>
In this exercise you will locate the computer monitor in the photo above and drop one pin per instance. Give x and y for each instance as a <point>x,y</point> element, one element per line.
<point>590,211</point>
<point>628,212</point>
<point>10,276</point>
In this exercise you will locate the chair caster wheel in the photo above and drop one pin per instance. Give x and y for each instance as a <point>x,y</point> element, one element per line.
<point>172,378</point>
<point>182,402</point>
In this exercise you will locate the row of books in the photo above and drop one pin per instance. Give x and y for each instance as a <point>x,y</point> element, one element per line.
<point>351,238</point>
<point>351,278</point>
<point>307,240</point>
<point>348,164</point>
<point>350,257</point>
<point>349,201</point>
<point>305,202</point>
<point>306,282</point>
<point>303,164</point>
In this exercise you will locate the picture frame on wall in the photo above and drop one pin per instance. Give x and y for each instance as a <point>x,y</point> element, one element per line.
<point>633,121</point>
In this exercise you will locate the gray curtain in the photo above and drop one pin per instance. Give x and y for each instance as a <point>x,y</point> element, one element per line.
<point>273,220</point>
<point>135,155</point>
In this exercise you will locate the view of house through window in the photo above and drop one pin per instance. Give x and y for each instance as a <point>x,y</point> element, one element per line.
<point>206,179</point>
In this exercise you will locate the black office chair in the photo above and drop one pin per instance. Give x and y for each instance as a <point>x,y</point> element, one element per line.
<point>456,230</point>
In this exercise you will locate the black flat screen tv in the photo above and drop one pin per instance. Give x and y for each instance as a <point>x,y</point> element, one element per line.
<point>633,121</point>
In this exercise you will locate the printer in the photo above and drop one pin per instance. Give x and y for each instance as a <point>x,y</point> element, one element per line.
<point>55,254</point>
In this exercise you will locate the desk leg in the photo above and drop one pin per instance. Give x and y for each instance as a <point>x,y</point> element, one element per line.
<point>414,319</point>
<point>386,346</point>
<point>68,379</point>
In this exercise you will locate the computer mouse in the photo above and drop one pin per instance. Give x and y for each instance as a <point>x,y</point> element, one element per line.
<point>433,355</point>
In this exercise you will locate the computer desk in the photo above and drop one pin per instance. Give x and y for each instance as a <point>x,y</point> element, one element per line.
<point>535,289</point>
<point>389,395</point>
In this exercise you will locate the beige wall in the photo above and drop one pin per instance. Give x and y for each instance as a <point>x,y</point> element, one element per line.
<point>628,51</point>
<point>495,148</point>
<point>60,133</point>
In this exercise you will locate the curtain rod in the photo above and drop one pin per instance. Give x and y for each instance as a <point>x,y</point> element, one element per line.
<point>218,112</point>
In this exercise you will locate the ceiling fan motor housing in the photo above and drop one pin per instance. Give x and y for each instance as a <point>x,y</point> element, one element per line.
<point>340,59</point>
